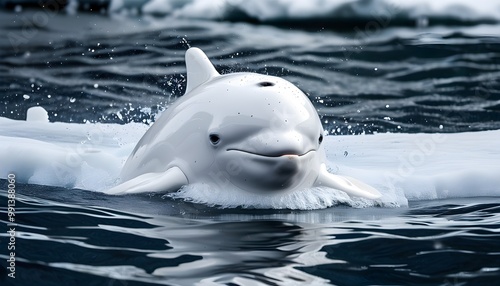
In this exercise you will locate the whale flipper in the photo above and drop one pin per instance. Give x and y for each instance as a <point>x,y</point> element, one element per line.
<point>168,181</point>
<point>346,184</point>
<point>199,68</point>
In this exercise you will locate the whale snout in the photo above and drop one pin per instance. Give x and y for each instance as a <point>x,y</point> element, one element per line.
<point>288,166</point>
<point>268,172</point>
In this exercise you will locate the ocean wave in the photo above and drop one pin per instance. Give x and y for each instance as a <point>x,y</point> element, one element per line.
<point>313,14</point>
<point>320,13</point>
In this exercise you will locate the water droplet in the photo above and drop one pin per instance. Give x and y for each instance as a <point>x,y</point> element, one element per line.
<point>26,96</point>
<point>96,85</point>
<point>72,99</point>
<point>440,126</point>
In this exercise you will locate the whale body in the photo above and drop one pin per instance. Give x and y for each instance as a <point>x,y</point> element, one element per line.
<point>253,132</point>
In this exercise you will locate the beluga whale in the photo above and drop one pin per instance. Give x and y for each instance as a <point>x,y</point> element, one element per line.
<point>251,132</point>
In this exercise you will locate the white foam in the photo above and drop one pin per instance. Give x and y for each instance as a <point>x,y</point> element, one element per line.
<point>265,10</point>
<point>87,156</point>
<point>423,166</point>
<point>402,166</point>
<point>307,199</point>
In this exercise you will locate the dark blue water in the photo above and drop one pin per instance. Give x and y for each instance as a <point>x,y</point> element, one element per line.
<point>92,68</point>
<point>84,238</point>
<point>99,68</point>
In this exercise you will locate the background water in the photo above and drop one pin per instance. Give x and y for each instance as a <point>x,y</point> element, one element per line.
<point>398,72</point>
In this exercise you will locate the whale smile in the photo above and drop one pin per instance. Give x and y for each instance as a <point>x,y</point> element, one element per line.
<point>274,154</point>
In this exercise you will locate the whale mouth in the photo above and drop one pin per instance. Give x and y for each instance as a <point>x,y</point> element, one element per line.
<point>274,154</point>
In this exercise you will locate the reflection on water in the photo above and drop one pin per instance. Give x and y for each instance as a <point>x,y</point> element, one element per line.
<point>60,240</point>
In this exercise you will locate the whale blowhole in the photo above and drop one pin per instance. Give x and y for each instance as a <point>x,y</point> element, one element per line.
<point>266,84</point>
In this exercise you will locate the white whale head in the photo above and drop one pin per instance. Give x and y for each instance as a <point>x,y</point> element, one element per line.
<point>254,132</point>
<point>265,133</point>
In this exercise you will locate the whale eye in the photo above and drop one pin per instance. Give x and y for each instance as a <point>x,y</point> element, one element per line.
<point>265,83</point>
<point>214,139</point>
<point>320,138</point>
